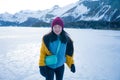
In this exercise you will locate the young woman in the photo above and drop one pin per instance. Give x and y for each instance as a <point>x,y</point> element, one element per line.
<point>49,46</point>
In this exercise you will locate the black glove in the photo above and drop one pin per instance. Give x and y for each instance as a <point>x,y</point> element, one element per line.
<point>73,68</point>
<point>43,70</point>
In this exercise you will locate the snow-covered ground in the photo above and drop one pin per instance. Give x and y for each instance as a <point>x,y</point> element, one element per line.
<point>97,54</point>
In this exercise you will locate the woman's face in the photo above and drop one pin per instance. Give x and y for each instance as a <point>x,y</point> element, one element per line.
<point>57,29</point>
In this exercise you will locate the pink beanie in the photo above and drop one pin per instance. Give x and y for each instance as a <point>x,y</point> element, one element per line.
<point>57,21</point>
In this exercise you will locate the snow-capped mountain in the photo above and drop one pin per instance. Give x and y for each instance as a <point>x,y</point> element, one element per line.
<point>85,10</point>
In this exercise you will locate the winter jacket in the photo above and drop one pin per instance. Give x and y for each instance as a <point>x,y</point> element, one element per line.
<point>45,51</point>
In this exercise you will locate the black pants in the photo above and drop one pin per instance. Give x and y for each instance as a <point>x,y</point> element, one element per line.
<point>58,72</point>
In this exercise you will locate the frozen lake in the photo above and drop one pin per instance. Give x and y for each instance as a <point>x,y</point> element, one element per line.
<point>97,54</point>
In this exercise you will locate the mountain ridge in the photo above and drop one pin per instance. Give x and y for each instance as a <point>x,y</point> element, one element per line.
<point>82,10</point>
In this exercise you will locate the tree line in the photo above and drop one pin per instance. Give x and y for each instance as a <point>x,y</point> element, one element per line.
<point>85,24</point>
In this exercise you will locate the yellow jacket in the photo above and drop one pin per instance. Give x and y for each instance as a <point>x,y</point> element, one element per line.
<point>44,52</point>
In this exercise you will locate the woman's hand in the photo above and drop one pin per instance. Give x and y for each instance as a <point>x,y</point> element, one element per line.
<point>42,70</point>
<point>73,68</point>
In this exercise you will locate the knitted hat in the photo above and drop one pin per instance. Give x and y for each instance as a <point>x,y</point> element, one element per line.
<point>58,21</point>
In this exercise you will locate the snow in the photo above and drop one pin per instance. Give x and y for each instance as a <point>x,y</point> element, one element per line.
<point>6,16</point>
<point>97,54</point>
<point>80,10</point>
<point>61,11</point>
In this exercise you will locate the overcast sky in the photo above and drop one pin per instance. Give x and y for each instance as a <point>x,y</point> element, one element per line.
<point>13,6</point>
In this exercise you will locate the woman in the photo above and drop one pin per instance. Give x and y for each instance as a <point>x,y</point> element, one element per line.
<point>49,46</point>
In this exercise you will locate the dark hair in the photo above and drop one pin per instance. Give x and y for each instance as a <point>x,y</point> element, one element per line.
<point>64,36</point>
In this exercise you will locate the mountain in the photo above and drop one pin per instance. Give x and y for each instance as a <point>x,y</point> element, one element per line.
<point>82,11</point>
